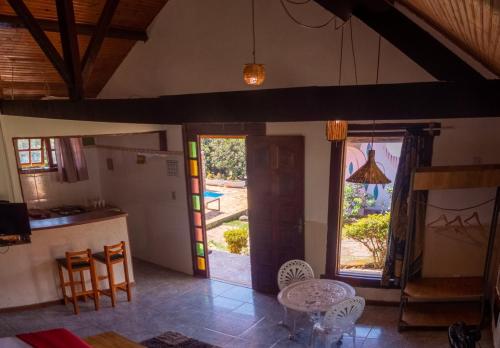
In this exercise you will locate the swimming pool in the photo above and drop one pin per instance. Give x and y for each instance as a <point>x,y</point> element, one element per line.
<point>212,194</point>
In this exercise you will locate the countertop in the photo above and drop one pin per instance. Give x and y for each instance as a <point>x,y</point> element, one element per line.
<point>79,219</point>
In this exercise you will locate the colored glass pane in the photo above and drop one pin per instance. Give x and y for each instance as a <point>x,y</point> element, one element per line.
<point>200,249</point>
<point>201,263</point>
<point>197,218</point>
<point>198,234</point>
<point>195,186</point>
<point>192,149</point>
<point>193,165</point>
<point>196,202</point>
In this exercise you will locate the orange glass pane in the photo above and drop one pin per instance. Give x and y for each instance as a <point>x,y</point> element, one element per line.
<point>198,234</point>
<point>193,166</point>
<point>195,186</point>
<point>197,218</point>
<point>201,263</point>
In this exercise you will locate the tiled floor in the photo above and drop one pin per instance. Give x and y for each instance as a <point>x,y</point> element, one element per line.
<point>211,311</point>
<point>232,268</point>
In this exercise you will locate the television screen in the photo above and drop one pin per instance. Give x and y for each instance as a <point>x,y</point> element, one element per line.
<point>14,219</point>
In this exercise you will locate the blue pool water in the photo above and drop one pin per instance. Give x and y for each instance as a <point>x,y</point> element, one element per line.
<point>212,194</point>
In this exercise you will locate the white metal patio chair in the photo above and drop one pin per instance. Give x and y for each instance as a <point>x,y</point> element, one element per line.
<point>339,320</point>
<point>290,272</point>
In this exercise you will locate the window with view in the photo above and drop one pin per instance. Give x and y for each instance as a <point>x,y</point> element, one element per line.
<point>366,208</point>
<point>36,153</point>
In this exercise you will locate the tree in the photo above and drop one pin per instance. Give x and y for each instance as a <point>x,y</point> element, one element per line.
<point>355,199</point>
<point>224,158</point>
<point>371,231</point>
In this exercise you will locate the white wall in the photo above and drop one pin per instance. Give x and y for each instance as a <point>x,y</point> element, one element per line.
<point>44,190</point>
<point>461,142</point>
<point>201,46</point>
<point>15,126</point>
<point>157,203</point>
<point>165,221</point>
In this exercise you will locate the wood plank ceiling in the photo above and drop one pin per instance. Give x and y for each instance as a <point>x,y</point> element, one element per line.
<point>26,73</point>
<point>473,25</point>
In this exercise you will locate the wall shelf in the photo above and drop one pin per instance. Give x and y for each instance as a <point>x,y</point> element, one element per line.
<point>440,315</point>
<point>439,289</point>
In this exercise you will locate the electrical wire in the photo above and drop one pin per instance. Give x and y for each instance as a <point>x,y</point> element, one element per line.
<point>319,26</point>
<point>253,30</point>
<point>341,54</point>
<point>353,54</point>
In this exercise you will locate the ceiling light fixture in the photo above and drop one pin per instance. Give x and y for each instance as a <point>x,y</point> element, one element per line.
<point>370,173</point>
<point>254,74</point>
<point>337,130</point>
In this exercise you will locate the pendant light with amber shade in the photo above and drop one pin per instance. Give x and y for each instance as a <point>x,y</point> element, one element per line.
<point>253,73</point>
<point>370,173</point>
<point>337,130</point>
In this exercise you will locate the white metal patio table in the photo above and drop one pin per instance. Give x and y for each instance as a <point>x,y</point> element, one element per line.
<point>314,296</point>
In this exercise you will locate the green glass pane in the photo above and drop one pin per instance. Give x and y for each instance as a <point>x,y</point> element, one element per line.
<point>196,202</point>
<point>200,250</point>
<point>192,149</point>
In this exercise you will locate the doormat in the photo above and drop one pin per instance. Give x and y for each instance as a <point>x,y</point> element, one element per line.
<point>175,339</point>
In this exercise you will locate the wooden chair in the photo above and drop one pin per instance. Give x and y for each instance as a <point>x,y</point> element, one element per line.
<point>78,262</point>
<point>112,255</point>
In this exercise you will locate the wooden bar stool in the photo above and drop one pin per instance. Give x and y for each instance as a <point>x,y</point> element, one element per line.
<point>112,255</point>
<point>78,262</point>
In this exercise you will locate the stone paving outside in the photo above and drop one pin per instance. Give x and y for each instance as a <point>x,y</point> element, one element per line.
<point>236,268</point>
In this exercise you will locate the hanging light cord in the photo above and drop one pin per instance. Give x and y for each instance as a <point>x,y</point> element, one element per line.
<point>376,80</point>
<point>253,30</point>
<point>353,54</point>
<point>341,54</point>
<point>319,26</point>
<point>378,59</point>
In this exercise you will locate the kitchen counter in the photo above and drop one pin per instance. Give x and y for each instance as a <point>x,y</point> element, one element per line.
<point>28,272</point>
<point>79,219</point>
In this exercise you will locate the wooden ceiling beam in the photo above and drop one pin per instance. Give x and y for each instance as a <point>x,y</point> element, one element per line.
<point>97,39</point>
<point>40,37</point>
<point>407,36</point>
<point>424,100</point>
<point>14,22</point>
<point>69,42</point>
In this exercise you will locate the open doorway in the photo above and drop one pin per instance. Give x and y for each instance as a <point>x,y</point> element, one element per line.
<point>366,208</point>
<point>224,190</point>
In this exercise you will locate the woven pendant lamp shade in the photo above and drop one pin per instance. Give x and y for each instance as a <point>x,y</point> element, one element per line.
<point>254,74</point>
<point>336,130</point>
<point>369,173</point>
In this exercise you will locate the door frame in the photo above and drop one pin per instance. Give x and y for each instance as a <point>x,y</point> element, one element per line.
<point>192,132</point>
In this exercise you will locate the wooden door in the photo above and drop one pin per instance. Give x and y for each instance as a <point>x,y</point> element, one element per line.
<point>275,166</point>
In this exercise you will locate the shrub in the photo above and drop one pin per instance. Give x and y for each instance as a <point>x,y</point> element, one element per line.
<point>236,240</point>
<point>224,158</point>
<point>355,199</point>
<point>371,231</point>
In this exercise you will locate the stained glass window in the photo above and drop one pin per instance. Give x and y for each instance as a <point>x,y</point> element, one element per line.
<point>200,250</point>
<point>197,218</point>
<point>198,233</point>
<point>195,186</point>
<point>196,202</point>
<point>193,153</point>
<point>193,165</point>
<point>201,263</point>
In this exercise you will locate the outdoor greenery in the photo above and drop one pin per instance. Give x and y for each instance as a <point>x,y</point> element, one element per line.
<point>371,231</point>
<point>237,240</point>
<point>355,199</point>
<point>224,158</point>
